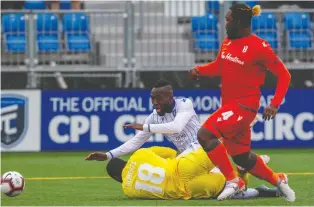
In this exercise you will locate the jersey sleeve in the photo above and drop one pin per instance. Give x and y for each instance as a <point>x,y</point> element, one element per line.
<point>268,58</point>
<point>183,116</point>
<point>133,144</point>
<point>211,69</point>
<point>164,152</point>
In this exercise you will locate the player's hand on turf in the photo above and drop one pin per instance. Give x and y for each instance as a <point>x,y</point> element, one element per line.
<point>134,126</point>
<point>269,112</point>
<point>194,74</point>
<point>99,156</point>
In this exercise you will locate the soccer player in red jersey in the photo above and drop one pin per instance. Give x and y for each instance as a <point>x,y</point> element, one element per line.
<point>242,63</point>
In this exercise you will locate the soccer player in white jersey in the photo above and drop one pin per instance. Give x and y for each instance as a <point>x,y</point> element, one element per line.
<point>174,118</point>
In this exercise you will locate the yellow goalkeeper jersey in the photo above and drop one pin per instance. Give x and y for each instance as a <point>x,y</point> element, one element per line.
<point>155,173</point>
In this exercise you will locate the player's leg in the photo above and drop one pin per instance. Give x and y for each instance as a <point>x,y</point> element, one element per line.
<point>207,185</point>
<point>254,164</point>
<point>221,124</point>
<point>193,164</point>
<point>244,174</point>
<point>259,192</point>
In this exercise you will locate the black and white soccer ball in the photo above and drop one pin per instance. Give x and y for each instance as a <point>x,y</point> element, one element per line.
<point>12,183</point>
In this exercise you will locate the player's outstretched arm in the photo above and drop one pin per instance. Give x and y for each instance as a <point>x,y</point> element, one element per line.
<point>128,147</point>
<point>270,60</point>
<point>98,156</point>
<point>211,69</point>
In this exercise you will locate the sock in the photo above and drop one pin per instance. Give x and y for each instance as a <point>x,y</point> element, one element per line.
<point>220,158</point>
<point>262,171</point>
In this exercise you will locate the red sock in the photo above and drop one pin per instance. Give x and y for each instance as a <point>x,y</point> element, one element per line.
<point>262,171</point>
<point>220,159</point>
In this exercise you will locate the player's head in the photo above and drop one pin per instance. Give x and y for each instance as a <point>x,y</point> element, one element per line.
<point>115,167</point>
<point>162,97</point>
<point>238,19</point>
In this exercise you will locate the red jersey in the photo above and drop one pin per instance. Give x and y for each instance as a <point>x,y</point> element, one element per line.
<point>242,64</point>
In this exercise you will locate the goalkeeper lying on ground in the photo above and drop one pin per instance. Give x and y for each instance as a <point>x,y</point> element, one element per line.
<point>156,173</point>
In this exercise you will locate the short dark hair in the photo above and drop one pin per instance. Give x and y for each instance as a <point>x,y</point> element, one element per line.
<point>243,13</point>
<point>162,83</point>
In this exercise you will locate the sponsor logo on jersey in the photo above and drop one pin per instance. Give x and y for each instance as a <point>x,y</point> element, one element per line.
<point>231,58</point>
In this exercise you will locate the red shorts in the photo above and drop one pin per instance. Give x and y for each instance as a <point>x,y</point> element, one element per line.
<point>233,123</point>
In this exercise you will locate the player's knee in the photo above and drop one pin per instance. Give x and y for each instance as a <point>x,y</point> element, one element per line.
<point>207,139</point>
<point>205,134</point>
<point>246,160</point>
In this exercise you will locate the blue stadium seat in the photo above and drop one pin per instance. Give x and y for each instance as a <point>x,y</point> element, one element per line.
<point>13,23</point>
<point>75,22</point>
<point>212,6</point>
<point>264,21</point>
<point>33,4</point>
<point>206,42</point>
<point>48,43</point>
<point>271,36</point>
<point>297,20</point>
<point>47,22</point>
<point>77,32</point>
<point>47,32</point>
<point>300,39</point>
<point>78,42</point>
<point>15,43</point>
<point>13,28</point>
<point>207,22</point>
<point>65,4</point>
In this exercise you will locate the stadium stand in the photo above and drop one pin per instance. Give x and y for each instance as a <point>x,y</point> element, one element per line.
<point>213,6</point>
<point>298,29</point>
<point>265,26</point>
<point>205,32</point>
<point>111,36</point>
<point>47,33</point>
<point>65,5</point>
<point>14,32</point>
<point>76,32</point>
<point>34,5</point>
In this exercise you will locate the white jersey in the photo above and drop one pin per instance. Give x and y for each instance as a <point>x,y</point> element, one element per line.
<point>181,137</point>
<point>180,127</point>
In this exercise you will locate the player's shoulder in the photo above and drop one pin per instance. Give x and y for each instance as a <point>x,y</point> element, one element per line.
<point>142,152</point>
<point>183,102</point>
<point>259,42</point>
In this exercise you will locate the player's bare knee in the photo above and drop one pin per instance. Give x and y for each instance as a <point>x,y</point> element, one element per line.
<point>207,139</point>
<point>205,134</point>
<point>246,160</point>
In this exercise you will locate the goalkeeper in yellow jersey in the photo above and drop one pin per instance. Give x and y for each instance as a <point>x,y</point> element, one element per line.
<point>156,173</point>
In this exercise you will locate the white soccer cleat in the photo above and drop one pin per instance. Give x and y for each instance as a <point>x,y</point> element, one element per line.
<point>231,188</point>
<point>284,188</point>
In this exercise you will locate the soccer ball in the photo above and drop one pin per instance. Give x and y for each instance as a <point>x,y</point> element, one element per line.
<point>12,183</point>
